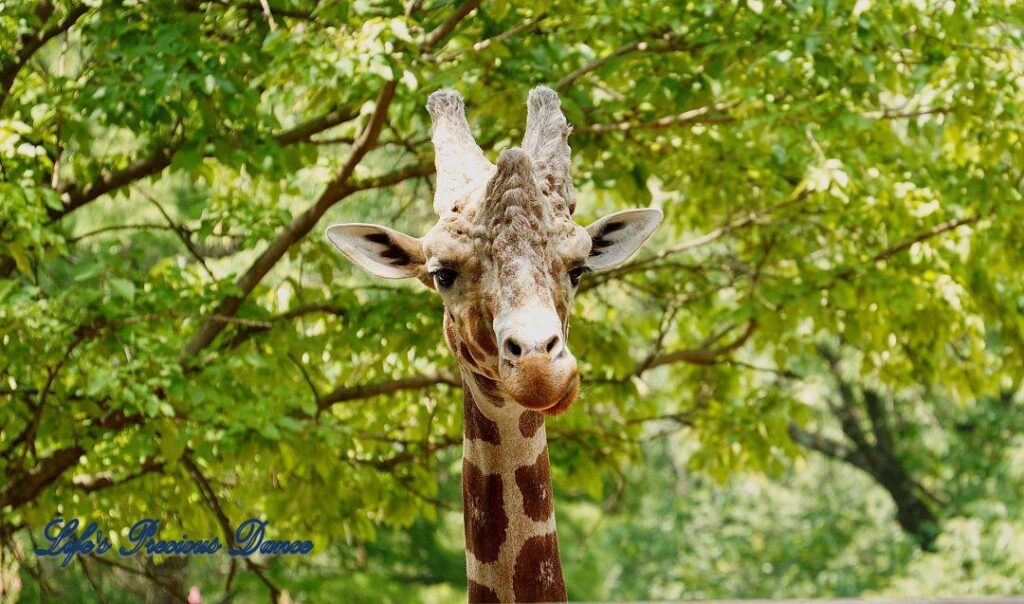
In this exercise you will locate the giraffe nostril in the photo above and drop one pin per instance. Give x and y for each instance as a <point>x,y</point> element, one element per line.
<point>513,348</point>
<point>551,344</point>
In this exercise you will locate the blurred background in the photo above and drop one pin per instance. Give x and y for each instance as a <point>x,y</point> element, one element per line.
<point>808,384</point>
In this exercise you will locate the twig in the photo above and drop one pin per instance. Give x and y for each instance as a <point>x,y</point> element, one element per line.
<point>167,587</point>
<point>179,230</point>
<point>92,582</point>
<point>270,17</point>
<point>305,376</point>
<point>448,26</point>
<point>668,43</point>
<point>222,519</point>
<point>119,227</point>
<point>505,35</point>
<point>693,116</point>
<point>702,356</point>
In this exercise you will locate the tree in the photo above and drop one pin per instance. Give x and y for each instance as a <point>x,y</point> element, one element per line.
<point>870,423</point>
<point>176,333</point>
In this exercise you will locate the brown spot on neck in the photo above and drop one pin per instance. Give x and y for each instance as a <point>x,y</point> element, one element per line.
<point>481,594</point>
<point>483,332</point>
<point>483,512</point>
<point>476,425</point>
<point>530,422</point>
<point>490,389</point>
<point>538,571</point>
<point>534,482</point>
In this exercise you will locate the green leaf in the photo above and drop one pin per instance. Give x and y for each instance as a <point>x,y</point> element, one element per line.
<point>123,288</point>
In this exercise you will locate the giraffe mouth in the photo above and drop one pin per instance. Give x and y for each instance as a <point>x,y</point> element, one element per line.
<point>551,404</point>
<point>563,404</point>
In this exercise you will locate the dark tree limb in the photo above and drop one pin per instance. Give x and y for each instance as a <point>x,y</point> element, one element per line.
<point>352,393</point>
<point>104,480</point>
<point>243,335</point>
<point>827,447</point>
<point>878,415</point>
<point>74,196</point>
<point>22,486</point>
<point>305,131</point>
<point>877,456</point>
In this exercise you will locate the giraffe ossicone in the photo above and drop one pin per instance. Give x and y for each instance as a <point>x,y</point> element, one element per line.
<point>506,258</point>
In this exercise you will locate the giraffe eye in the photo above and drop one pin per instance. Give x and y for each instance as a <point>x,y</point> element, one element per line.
<point>444,277</point>
<point>576,273</point>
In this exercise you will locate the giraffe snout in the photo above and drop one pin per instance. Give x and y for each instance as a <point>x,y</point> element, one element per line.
<point>516,348</point>
<point>538,370</point>
<point>536,367</point>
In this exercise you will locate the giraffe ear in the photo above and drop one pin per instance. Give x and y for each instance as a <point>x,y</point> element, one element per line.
<point>378,250</point>
<point>618,236</point>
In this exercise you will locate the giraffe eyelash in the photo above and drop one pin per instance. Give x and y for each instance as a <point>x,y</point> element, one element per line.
<point>576,273</point>
<point>444,277</point>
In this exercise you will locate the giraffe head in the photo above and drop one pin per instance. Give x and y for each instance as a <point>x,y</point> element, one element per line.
<point>505,255</point>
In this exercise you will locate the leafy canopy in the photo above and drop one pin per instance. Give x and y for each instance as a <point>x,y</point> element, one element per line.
<point>177,335</point>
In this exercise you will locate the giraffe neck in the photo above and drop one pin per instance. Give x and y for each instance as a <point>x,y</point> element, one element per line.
<point>511,543</point>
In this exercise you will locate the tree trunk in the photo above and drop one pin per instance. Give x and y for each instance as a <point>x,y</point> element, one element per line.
<point>166,578</point>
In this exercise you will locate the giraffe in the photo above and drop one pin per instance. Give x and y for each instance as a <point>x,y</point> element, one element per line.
<point>506,258</point>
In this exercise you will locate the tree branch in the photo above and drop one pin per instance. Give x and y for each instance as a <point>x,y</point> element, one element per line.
<point>92,582</point>
<point>222,519</point>
<point>180,231</point>
<point>668,43</point>
<point>269,15</point>
<point>442,31</point>
<point>31,44</point>
<point>306,130</point>
<point>700,356</point>
<point>827,447</point>
<point>889,114</point>
<point>264,7</point>
<point>242,335</point>
<point>888,253</point>
<point>161,583</point>
<point>75,196</point>
<point>753,217</point>
<point>351,393</point>
<point>879,420</point>
<point>97,482</point>
<point>23,486</point>
<point>505,35</point>
<point>337,190</point>
<point>698,115</point>
<point>938,229</point>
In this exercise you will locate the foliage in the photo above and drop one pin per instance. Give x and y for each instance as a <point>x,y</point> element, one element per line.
<point>179,340</point>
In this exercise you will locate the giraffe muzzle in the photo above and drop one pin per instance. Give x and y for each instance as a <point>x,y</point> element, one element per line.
<point>541,382</point>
